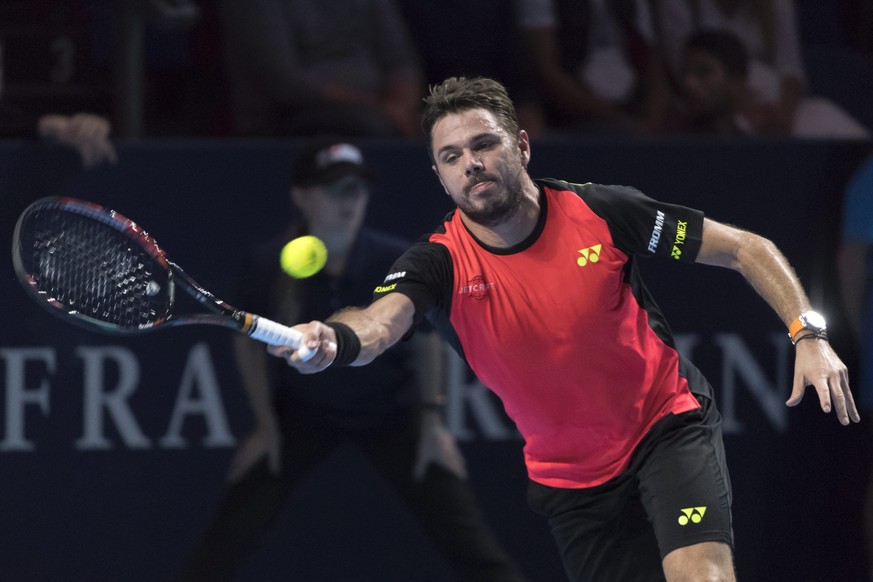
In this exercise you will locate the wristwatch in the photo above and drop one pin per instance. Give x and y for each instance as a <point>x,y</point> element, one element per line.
<point>811,320</point>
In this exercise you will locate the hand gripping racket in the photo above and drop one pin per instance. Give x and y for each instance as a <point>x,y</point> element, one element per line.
<point>99,269</point>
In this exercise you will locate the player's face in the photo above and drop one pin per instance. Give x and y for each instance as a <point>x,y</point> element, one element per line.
<point>480,165</point>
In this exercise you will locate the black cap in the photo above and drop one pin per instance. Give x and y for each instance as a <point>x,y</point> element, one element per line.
<point>324,162</point>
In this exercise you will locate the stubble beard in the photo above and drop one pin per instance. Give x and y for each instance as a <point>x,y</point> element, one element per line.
<point>500,207</point>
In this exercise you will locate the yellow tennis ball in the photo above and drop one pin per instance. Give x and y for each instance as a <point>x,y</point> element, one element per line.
<point>303,257</point>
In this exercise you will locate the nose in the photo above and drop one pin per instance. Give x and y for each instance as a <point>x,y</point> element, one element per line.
<point>474,165</point>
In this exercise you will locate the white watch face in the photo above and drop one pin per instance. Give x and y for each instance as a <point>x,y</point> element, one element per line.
<point>813,320</point>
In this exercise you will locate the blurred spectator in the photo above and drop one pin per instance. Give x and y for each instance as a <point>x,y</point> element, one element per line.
<point>87,133</point>
<point>302,67</point>
<point>595,63</point>
<point>716,97</point>
<point>855,268</point>
<point>476,39</point>
<point>768,31</point>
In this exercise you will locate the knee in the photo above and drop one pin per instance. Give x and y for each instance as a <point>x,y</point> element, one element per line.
<point>705,562</point>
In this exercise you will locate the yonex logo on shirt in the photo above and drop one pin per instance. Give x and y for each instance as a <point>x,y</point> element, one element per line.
<point>691,515</point>
<point>589,255</point>
<point>681,227</point>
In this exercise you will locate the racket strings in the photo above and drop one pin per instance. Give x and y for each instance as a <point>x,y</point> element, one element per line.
<point>95,270</point>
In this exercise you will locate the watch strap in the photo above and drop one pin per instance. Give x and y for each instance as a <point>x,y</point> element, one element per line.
<point>795,328</point>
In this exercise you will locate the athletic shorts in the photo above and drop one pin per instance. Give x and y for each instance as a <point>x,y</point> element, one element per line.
<point>675,492</point>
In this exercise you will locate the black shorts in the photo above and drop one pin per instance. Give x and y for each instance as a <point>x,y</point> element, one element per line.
<point>675,492</point>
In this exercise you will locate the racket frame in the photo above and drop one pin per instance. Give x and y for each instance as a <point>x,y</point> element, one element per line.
<point>221,313</point>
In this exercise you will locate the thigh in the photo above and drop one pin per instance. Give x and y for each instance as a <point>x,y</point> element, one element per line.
<point>602,533</point>
<point>684,483</point>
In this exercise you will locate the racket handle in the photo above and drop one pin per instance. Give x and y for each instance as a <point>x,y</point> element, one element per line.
<point>276,334</point>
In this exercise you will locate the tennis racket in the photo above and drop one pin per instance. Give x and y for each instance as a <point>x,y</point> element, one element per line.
<point>94,267</point>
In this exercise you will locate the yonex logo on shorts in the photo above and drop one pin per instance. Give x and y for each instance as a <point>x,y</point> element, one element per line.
<point>691,515</point>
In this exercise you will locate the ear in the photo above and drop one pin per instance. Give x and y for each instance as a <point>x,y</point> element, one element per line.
<point>524,147</point>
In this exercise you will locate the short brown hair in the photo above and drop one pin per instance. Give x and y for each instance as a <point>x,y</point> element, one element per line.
<point>457,94</point>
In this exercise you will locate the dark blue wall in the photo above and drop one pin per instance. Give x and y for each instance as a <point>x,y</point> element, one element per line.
<point>120,507</point>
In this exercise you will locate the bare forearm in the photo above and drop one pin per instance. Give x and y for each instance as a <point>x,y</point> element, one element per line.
<point>767,270</point>
<point>770,274</point>
<point>362,334</point>
<point>760,262</point>
<point>377,327</point>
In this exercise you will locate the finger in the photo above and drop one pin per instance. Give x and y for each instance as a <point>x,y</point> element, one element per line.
<point>308,353</point>
<point>797,391</point>
<point>839,401</point>
<point>278,351</point>
<point>322,354</point>
<point>844,401</point>
<point>824,394</point>
<point>850,399</point>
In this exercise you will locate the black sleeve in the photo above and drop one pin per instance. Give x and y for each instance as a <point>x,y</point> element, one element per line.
<point>642,226</point>
<point>424,274</point>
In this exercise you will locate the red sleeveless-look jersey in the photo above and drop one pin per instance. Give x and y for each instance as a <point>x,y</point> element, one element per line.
<point>560,327</point>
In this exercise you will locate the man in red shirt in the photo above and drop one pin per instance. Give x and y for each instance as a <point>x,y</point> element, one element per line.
<point>534,283</point>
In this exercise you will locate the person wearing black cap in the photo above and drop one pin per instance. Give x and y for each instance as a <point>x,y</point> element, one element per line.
<point>388,411</point>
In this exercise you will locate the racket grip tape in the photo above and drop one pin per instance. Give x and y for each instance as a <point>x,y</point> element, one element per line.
<point>276,334</point>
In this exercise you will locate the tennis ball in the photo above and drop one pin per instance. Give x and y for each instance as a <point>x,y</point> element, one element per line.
<point>303,257</point>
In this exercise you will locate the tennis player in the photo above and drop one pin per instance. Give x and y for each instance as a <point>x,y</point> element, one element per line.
<point>623,449</point>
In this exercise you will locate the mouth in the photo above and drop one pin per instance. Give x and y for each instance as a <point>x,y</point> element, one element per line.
<point>480,187</point>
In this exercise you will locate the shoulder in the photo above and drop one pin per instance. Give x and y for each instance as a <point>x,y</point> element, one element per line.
<point>596,194</point>
<point>427,249</point>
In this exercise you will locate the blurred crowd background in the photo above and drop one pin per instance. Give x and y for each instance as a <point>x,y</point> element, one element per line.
<point>226,68</point>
